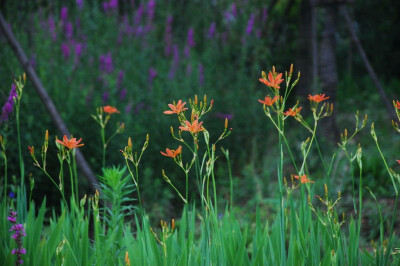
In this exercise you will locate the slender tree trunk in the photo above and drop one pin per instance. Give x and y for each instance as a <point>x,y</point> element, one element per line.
<point>304,58</point>
<point>327,67</point>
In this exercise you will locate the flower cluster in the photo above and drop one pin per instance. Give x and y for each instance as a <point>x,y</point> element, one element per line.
<point>19,232</point>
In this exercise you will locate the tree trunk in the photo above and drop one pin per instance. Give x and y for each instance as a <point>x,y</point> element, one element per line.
<point>304,58</point>
<point>327,67</point>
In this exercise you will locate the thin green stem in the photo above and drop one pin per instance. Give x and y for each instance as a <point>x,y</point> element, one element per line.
<point>103,140</point>
<point>75,175</point>
<point>72,178</point>
<point>187,185</point>
<point>137,182</point>
<point>21,160</point>
<point>281,199</point>
<point>5,176</point>
<point>308,149</point>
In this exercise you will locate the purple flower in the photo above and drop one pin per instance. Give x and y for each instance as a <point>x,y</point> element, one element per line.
<point>19,232</point>
<point>151,5</point>
<point>65,50</point>
<point>19,251</point>
<point>250,24</point>
<point>105,97</point>
<point>128,108</point>
<point>120,78</point>
<point>8,106</point>
<point>113,4</point>
<point>175,62</point>
<point>152,74</point>
<point>52,28</point>
<point>176,55</point>
<point>168,36</point>
<point>106,63</point>
<point>264,15</point>
<point>122,94</point>
<point>78,49</point>
<point>201,74</point>
<point>186,51</point>
<point>224,116</point>
<point>64,13</point>
<point>234,10</point>
<point>11,195</point>
<point>79,4</point>
<point>190,38</point>
<point>109,63</point>
<point>211,31</point>
<point>105,6</point>
<point>138,15</point>
<point>69,30</point>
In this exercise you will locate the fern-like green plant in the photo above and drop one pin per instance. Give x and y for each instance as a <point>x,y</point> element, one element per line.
<point>117,188</point>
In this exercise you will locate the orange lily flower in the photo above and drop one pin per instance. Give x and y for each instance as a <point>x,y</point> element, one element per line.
<point>194,127</point>
<point>397,105</point>
<point>70,144</point>
<point>272,81</point>
<point>176,108</point>
<point>268,101</point>
<point>292,112</point>
<point>317,98</point>
<point>172,153</point>
<point>110,109</point>
<point>303,179</point>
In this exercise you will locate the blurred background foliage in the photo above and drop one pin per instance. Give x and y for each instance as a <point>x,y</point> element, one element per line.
<point>141,55</point>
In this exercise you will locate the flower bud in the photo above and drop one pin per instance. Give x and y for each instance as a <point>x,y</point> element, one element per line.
<point>127,261</point>
<point>263,75</point>
<point>226,123</point>
<point>31,150</point>
<point>129,143</point>
<point>83,201</point>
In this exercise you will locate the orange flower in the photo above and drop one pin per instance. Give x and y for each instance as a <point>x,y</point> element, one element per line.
<point>317,98</point>
<point>292,112</point>
<point>194,127</point>
<point>176,108</point>
<point>398,161</point>
<point>70,144</point>
<point>268,101</point>
<point>110,109</point>
<point>272,81</point>
<point>397,105</point>
<point>172,153</point>
<point>303,179</point>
